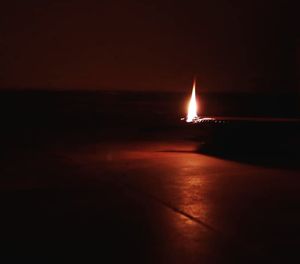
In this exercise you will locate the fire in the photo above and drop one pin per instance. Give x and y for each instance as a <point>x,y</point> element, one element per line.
<point>192,107</point>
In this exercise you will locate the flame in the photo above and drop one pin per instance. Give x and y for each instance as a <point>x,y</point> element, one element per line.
<point>192,108</point>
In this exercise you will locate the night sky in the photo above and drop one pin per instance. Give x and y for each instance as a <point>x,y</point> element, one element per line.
<point>148,45</point>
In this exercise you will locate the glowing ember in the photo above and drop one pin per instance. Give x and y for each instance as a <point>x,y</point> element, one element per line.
<point>192,108</point>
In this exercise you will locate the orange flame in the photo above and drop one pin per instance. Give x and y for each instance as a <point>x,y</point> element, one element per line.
<point>192,107</point>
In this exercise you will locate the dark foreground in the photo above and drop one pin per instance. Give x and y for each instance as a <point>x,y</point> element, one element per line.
<point>143,192</point>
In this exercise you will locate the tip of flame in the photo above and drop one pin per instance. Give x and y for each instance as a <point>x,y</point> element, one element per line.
<point>192,107</point>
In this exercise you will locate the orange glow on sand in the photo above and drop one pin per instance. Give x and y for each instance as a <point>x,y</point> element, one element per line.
<point>192,107</point>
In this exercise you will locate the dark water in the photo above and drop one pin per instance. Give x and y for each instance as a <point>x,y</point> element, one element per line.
<point>82,109</point>
<point>33,117</point>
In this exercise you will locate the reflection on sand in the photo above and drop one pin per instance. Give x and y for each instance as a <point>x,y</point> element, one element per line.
<point>195,202</point>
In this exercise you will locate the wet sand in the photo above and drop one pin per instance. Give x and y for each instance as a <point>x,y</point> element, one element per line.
<point>146,195</point>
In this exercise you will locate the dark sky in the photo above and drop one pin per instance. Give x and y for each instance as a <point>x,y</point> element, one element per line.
<point>148,45</point>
